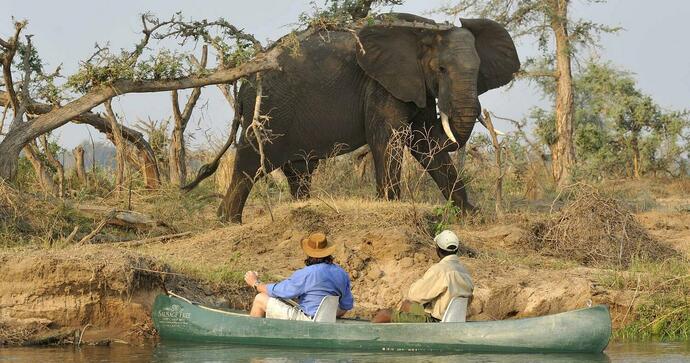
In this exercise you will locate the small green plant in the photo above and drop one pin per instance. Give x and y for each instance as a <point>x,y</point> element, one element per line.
<point>445,215</point>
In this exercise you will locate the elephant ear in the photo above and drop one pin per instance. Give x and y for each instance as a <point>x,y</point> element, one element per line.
<point>499,59</point>
<point>391,57</point>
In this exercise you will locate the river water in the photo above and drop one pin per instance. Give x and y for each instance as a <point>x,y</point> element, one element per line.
<point>167,352</point>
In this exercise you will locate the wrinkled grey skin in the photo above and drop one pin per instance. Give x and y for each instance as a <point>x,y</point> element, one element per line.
<point>331,93</point>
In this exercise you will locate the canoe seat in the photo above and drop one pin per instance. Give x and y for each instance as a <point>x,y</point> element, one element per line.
<point>456,312</point>
<point>328,309</point>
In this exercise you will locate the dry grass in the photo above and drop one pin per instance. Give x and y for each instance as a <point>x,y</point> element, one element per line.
<point>595,230</point>
<point>30,219</point>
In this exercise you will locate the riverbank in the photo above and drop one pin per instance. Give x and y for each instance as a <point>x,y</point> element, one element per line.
<point>102,293</point>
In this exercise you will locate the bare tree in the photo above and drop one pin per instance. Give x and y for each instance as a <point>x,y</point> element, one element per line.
<point>78,153</point>
<point>146,159</point>
<point>43,174</point>
<point>498,151</point>
<point>177,157</point>
<point>119,143</point>
<point>53,161</point>
<point>156,132</point>
<point>96,93</point>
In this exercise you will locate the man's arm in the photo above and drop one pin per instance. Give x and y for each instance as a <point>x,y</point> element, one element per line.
<point>289,288</point>
<point>347,301</point>
<point>252,279</point>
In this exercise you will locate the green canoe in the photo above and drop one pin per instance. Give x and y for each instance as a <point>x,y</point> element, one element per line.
<point>585,330</point>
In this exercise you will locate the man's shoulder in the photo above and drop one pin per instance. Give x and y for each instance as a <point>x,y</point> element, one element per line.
<point>450,263</point>
<point>331,267</point>
<point>337,267</point>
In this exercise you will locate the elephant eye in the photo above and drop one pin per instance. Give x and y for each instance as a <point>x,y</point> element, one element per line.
<point>442,69</point>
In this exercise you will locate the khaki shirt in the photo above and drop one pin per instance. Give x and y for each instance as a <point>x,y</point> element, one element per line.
<point>440,284</point>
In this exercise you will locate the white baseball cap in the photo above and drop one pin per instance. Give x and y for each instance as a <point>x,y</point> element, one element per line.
<point>447,241</point>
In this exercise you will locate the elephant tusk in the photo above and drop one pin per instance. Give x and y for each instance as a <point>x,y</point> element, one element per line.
<point>498,132</point>
<point>446,127</point>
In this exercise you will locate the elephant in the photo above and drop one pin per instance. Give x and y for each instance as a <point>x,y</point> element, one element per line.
<point>340,88</point>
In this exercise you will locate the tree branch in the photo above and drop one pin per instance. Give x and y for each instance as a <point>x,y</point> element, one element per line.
<point>535,74</point>
<point>26,80</point>
<point>7,57</point>
<point>182,118</point>
<point>98,122</point>
<point>256,125</point>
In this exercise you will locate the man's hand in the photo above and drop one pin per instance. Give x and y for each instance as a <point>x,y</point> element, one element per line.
<point>251,278</point>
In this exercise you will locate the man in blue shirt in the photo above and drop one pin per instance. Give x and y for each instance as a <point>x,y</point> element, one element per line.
<point>309,285</point>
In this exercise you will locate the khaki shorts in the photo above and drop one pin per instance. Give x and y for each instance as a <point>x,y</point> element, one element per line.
<point>276,309</point>
<point>415,315</point>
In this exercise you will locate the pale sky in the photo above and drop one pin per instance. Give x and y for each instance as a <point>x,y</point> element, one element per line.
<point>654,46</point>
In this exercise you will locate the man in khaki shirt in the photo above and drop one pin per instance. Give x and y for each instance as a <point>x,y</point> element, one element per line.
<point>429,296</point>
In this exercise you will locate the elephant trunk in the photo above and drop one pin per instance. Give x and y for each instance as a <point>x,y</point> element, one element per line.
<point>466,107</point>
<point>463,128</point>
<point>459,107</point>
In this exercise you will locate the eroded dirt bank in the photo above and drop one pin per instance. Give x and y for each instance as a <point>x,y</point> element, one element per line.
<point>53,295</point>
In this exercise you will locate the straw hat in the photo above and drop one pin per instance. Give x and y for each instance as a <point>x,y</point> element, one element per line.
<point>316,245</point>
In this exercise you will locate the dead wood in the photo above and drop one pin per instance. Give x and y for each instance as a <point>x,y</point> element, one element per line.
<point>594,230</point>
<point>123,218</point>
<point>148,163</point>
<point>119,143</point>
<point>71,236</point>
<point>165,238</point>
<point>177,153</point>
<point>78,153</point>
<point>60,170</point>
<point>498,150</point>
<point>98,228</point>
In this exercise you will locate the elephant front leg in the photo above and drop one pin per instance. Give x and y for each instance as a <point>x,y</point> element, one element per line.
<point>440,167</point>
<point>387,133</point>
<point>298,174</point>
<point>387,151</point>
<point>244,172</point>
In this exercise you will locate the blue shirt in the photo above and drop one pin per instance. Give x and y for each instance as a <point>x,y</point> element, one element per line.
<point>309,285</point>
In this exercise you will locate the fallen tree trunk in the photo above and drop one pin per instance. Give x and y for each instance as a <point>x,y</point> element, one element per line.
<point>165,238</point>
<point>123,218</point>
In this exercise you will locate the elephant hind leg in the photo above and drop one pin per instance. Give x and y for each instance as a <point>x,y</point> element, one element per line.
<point>298,174</point>
<point>387,133</point>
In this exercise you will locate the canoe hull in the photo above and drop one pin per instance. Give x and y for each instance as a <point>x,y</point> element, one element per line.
<point>585,330</point>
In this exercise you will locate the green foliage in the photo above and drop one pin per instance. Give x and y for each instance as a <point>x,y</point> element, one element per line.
<point>615,121</point>
<point>35,63</point>
<point>444,216</point>
<point>105,68</point>
<point>545,122</point>
<point>336,13</point>
<point>536,20</point>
